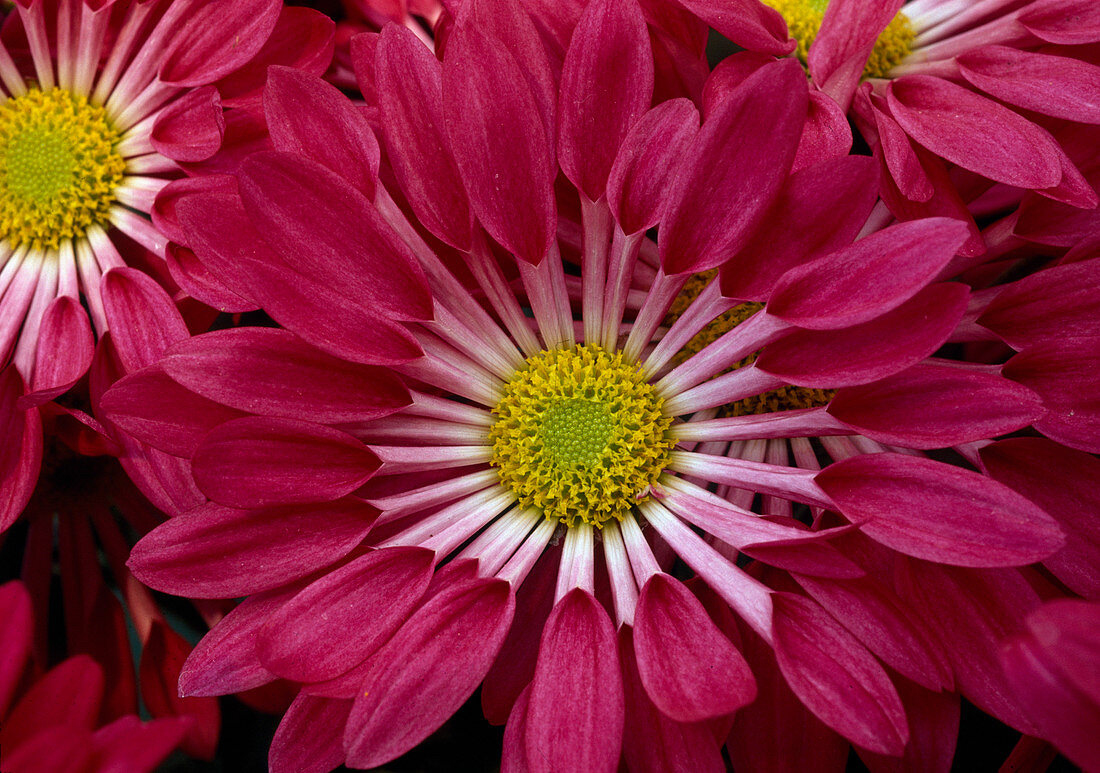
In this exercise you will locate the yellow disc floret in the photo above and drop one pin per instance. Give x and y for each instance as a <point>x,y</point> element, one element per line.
<point>580,435</point>
<point>59,167</point>
<point>804,20</point>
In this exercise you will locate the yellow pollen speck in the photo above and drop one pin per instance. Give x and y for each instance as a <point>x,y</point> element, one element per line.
<point>580,435</point>
<point>783,399</point>
<point>59,167</point>
<point>804,20</point>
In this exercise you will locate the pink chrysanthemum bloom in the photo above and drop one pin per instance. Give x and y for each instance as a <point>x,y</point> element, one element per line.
<point>52,721</point>
<point>980,85</point>
<point>102,104</point>
<point>385,473</point>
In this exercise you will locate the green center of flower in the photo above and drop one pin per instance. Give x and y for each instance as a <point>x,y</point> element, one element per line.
<point>59,167</point>
<point>580,435</point>
<point>804,20</point>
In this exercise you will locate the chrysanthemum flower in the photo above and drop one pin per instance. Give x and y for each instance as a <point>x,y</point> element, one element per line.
<point>101,106</point>
<point>576,451</point>
<point>980,85</point>
<point>51,721</point>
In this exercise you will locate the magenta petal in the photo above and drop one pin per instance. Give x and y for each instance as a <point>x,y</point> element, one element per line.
<point>428,669</point>
<point>936,406</point>
<point>869,278</point>
<point>837,679</point>
<point>873,350</point>
<point>606,86</point>
<point>1054,85</point>
<point>295,201</point>
<point>68,695</point>
<point>217,39</point>
<point>339,620</point>
<point>1067,22</point>
<point>748,23</point>
<point>826,134</point>
<point>259,461</point>
<point>847,35</point>
<point>195,279</point>
<point>130,744</point>
<point>653,743</point>
<point>1065,483</point>
<point>165,208</point>
<point>156,410</point>
<point>974,132</point>
<point>820,209</point>
<point>185,555</point>
<point>410,101</point>
<point>225,659</point>
<point>939,512</point>
<point>274,373</point>
<point>647,158</point>
<point>933,731</point>
<point>576,714</point>
<point>309,737</point>
<point>310,117</point>
<point>901,159</point>
<point>191,128</point>
<point>54,748</point>
<point>20,448</point>
<point>690,670</point>
<point>1040,308</point>
<point>500,142</point>
<point>144,321</point>
<point>735,170</point>
<point>1066,378</point>
<point>65,348</point>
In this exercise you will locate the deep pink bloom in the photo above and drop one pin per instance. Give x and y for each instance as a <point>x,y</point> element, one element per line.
<point>465,462</point>
<point>52,721</point>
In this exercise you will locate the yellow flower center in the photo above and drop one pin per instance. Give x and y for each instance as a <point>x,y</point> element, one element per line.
<point>783,399</point>
<point>804,20</point>
<point>59,167</point>
<point>580,435</point>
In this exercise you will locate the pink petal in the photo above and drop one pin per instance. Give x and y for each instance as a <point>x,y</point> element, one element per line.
<point>69,695</point>
<point>164,212</point>
<point>901,159</point>
<point>65,348</point>
<point>274,373</point>
<point>130,744</point>
<point>739,162</point>
<point>144,321</point>
<point>826,134</point>
<point>647,158</point>
<point>190,128</point>
<point>1039,308</point>
<point>215,40</point>
<point>311,118</point>
<point>1065,377</point>
<point>974,132</point>
<point>939,512</point>
<point>162,658</point>
<point>410,100</point>
<point>933,731</point>
<point>873,350</point>
<point>302,39</point>
<point>500,142</point>
<point>690,670</point>
<point>55,748</point>
<point>842,45</point>
<point>748,23</point>
<point>309,737</point>
<point>323,632</point>
<point>1052,85</point>
<point>186,555</point>
<point>1066,484</point>
<point>195,279</point>
<point>428,669</point>
<point>653,743</point>
<point>606,86</point>
<point>1067,22</point>
<point>874,275</point>
<point>156,410</point>
<point>15,639</point>
<point>936,406</point>
<point>837,679</point>
<point>728,75</point>
<point>260,461</point>
<point>820,209</point>
<point>20,448</point>
<point>225,659</point>
<point>294,201</point>
<point>576,714</point>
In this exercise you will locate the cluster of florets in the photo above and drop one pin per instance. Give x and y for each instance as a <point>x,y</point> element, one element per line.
<point>700,383</point>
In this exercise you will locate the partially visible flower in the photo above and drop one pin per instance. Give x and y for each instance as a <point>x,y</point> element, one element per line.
<point>52,721</point>
<point>980,85</point>
<point>101,106</point>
